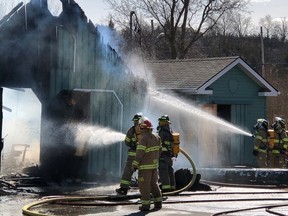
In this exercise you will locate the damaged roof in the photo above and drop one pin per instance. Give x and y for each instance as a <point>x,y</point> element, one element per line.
<point>196,75</point>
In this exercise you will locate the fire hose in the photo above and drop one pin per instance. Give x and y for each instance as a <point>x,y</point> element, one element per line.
<point>50,200</point>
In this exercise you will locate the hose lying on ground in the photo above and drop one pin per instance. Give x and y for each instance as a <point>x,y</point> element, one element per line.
<point>26,209</point>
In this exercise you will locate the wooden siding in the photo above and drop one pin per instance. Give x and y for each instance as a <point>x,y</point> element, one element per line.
<point>246,107</point>
<point>79,60</point>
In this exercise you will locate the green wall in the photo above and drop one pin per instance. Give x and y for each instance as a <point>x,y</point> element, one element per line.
<point>235,88</point>
<point>79,60</point>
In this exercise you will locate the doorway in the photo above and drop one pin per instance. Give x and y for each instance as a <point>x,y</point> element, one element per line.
<point>224,139</point>
<point>21,129</point>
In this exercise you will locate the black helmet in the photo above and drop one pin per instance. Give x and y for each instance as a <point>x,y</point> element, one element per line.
<point>164,118</point>
<point>137,117</point>
<point>265,124</point>
<point>261,123</point>
<point>279,123</point>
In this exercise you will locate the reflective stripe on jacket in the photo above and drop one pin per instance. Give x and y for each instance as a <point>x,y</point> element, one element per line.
<point>148,151</point>
<point>130,139</point>
<point>261,141</point>
<point>165,134</point>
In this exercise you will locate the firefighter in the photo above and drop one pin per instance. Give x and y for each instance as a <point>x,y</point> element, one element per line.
<point>166,171</point>
<point>146,161</point>
<point>131,140</point>
<point>279,152</point>
<point>261,143</point>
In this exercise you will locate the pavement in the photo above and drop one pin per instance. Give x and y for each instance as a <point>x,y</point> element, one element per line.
<point>199,203</point>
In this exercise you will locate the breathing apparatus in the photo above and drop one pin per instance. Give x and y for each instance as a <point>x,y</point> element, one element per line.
<point>165,120</point>
<point>137,117</point>
<point>176,142</point>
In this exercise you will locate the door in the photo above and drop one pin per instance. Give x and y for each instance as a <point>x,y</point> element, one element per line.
<point>224,137</point>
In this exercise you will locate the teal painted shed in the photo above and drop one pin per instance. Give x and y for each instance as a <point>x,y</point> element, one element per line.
<point>224,87</point>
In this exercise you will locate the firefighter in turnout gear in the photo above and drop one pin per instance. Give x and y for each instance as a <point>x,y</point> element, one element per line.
<point>166,171</point>
<point>146,161</point>
<point>131,140</point>
<point>279,151</point>
<point>261,143</point>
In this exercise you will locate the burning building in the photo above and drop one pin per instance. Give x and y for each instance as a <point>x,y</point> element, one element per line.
<point>78,80</point>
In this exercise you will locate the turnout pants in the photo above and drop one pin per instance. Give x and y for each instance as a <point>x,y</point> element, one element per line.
<point>148,183</point>
<point>277,160</point>
<point>166,173</point>
<point>127,173</point>
<point>262,160</point>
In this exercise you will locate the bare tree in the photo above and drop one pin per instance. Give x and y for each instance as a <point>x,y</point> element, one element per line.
<point>281,28</point>
<point>242,25</point>
<point>182,22</point>
<point>267,24</point>
<point>224,25</point>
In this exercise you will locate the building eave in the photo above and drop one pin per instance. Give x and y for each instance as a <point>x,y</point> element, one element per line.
<point>249,71</point>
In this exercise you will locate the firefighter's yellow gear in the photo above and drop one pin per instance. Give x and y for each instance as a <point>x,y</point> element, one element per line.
<point>132,138</point>
<point>176,143</point>
<point>146,161</point>
<point>261,143</point>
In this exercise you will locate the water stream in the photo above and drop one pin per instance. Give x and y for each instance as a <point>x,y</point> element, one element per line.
<point>173,104</point>
<point>96,135</point>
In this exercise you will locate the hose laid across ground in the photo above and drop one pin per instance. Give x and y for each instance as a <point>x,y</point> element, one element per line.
<point>26,209</point>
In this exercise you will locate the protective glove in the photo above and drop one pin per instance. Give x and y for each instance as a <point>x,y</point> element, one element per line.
<point>283,151</point>
<point>255,152</point>
<point>133,168</point>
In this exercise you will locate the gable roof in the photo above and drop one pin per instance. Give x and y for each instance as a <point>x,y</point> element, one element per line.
<point>196,75</point>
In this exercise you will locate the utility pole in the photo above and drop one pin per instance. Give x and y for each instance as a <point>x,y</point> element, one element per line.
<point>262,52</point>
<point>137,29</point>
<point>131,30</point>
<point>152,36</point>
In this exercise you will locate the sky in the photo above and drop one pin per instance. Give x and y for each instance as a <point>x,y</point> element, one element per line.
<point>260,8</point>
<point>97,10</point>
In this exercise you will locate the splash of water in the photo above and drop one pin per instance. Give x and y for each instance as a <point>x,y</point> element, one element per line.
<point>187,108</point>
<point>96,135</point>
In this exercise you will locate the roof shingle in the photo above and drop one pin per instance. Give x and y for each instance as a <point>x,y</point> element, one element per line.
<point>186,73</point>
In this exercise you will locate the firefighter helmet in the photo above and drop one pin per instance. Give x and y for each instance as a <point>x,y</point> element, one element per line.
<point>145,123</point>
<point>279,123</point>
<point>137,117</point>
<point>261,123</point>
<point>265,124</point>
<point>164,118</point>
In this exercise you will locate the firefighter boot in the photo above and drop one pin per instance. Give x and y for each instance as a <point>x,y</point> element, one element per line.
<point>158,205</point>
<point>144,208</point>
<point>122,191</point>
